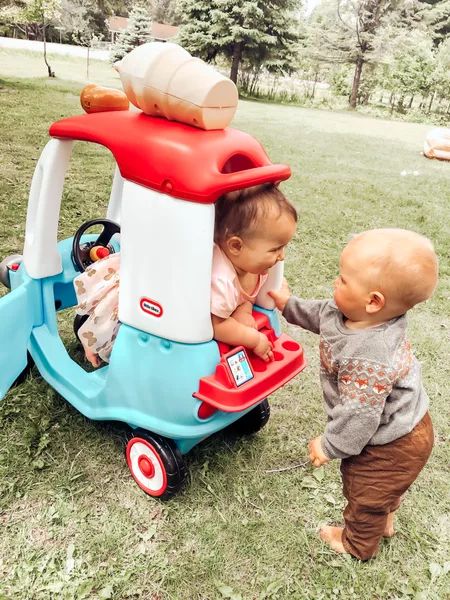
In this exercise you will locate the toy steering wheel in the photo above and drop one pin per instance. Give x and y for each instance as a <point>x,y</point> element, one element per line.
<point>81,252</point>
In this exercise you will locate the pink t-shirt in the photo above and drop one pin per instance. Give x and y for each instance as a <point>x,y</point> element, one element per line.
<point>226,291</point>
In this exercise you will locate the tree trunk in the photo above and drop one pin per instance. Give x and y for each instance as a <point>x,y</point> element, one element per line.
<point>431,101</point>
<point>245,78</point>
<point>49,69</point>
<point>411,101</point>
<point>255,80</point>
<point>356,81</point>
<point>237,53</point>
<point>393,100</point>
<point>316,77</point>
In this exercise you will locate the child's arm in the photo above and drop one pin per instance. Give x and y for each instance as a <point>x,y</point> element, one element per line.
<point>304,313</point>
<point>243,314</point>
<point>234,333</point>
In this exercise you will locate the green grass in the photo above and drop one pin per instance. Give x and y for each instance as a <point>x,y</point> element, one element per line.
<point>24,64</point>
<point>74,524</point>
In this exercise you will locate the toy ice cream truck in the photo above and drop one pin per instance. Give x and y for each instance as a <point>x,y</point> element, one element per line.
<point>167,378</point>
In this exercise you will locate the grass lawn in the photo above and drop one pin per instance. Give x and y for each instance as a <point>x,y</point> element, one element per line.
<point>24,64</point>
<point>73,522</point>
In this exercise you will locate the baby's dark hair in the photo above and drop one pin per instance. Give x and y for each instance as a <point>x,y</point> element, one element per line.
<point>237,212</point>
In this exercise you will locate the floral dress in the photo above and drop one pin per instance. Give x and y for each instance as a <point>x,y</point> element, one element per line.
<point>97,291</point>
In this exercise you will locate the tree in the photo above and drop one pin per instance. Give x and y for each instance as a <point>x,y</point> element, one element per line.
<point>78,17</point>
<point>442,71</point>
<point>340,81</point>
<point>138,32</point>
<point>165,11</point>
<point>35,16</point>
<point>411,66</point>
<point>436,14</point>
<point>85,20</point>
<point>349,31</point>
<point>257,31</point>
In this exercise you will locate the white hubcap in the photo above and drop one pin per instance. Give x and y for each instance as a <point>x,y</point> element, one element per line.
<point>140,454</point>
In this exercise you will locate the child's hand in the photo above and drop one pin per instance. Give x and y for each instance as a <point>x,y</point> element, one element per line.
<point>263,349</point>
<point>281,296</point>
<point>316,454</point>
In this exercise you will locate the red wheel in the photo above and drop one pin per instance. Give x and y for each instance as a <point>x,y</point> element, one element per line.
<point>156,464</point>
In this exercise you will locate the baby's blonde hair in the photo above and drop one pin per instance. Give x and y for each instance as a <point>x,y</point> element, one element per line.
<point>400,262</point>
<point>238,212</point>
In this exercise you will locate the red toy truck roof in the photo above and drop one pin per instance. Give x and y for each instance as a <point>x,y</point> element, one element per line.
<point>174,158</point>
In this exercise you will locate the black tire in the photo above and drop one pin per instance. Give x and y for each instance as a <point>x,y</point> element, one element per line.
<point>252,421</point>
<point>169,458</point>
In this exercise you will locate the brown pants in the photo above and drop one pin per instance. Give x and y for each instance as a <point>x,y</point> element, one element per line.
<point>374,483</point>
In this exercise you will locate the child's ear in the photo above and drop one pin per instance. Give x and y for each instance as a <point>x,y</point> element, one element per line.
<point>234,245</point>
<point>376,302</point>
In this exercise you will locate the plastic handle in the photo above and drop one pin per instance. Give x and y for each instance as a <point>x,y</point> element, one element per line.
<point>273,282</point>
<point>255,176</point>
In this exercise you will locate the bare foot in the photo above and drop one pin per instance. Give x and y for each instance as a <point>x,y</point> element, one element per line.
<point>389,530</point>
<point>93,358</point>
<point>333,537</point>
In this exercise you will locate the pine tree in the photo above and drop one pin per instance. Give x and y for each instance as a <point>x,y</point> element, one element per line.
<point>138,32</point>
<point>262,30</point>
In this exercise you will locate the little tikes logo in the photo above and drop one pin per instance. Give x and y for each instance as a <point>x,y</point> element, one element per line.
<point>151,307</point>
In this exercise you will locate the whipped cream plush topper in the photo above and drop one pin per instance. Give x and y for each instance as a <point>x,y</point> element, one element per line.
<point>164,80</point>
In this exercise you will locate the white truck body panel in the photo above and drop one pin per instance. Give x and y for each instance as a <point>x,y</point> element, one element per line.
<point>40,253</point>
<point>166,256</point>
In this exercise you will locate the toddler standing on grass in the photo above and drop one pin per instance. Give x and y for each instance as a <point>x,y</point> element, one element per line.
<point>377,409</point>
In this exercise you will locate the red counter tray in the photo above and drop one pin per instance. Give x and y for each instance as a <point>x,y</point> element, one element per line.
<point>221,393</point>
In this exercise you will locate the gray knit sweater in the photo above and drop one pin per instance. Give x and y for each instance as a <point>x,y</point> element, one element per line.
<point>372,383</point>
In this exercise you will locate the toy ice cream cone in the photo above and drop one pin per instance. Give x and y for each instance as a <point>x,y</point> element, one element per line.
<point>162,79</point>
